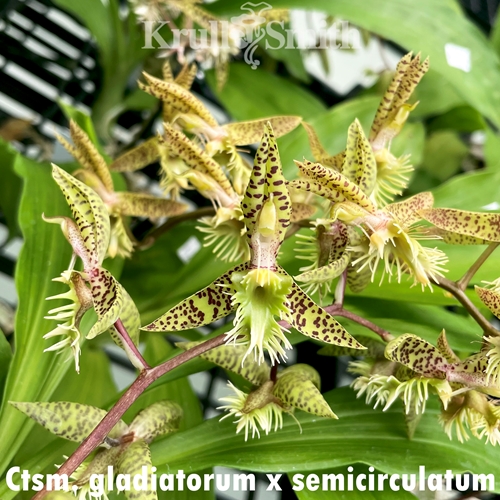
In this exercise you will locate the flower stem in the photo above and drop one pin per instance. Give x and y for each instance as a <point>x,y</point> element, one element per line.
<point>459,294</point>
<point>338,310</point>
<point>464,281</point>
<point>149,239</point>
<point>143,381</point>
<point>125,337</point>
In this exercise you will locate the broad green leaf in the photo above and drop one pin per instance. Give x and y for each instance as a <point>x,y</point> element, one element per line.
<point>492,151</point>
<point>5,359</point>
<point>443,154</point>
<point>318,493</point>
<point>271,95</point>
<point>72,421</point>
<point>464,119</point>
<point>433,30</point>
<point>10,187</point>
<point>361,434</point>
<point>34,374</point>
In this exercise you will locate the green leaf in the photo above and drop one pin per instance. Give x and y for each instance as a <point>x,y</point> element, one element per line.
<point>492,151</point>
<point>271,95</point>
<point>385,494</point>
<point>428,30</point>
<point>5,359</point>
<point>34,374</point>
<point>10,187</point>
<point>360,435</point>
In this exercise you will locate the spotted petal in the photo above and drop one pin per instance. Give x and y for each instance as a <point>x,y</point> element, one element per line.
<point>145,205</point>
<point>337,182</point>
<point>319,152</point>
<point>359,164</point>
<point>298,386</point>
<point>202,308</point>
<point>230,358</point>
<point>178,97</point>
<point>407,212</point>
<point>108,298</point>
<point>138,157</point>
<point>250,132</point>
<point>317,188</point>
<point>196,158</point>
<point>266,205</point>
<point>130,463</point>
<point>314,322</point>
<point>89,213</point>
<point>160,418</point>
<point>387,123</point>
<point>418,355</point>
<point>71,421</point>
<point>445,349</point>
<point>490,299</point>
<point>477,224</point>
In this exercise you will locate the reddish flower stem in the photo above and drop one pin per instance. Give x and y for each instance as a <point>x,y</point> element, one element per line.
<point>122,332</point>
<point>143,381</point>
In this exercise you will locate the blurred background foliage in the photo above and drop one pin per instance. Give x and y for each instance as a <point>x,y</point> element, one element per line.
<point>454,143</point>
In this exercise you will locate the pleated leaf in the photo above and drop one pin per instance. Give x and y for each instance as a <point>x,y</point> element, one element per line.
<point>131,462</point>
<point>160,418</point>
<point>71,421</point>
<point>251,132</point>
<point>230,358</point>
<point>178,97</point>
<point>418,355</point>
<point>407,211</point>
<point>202,308</point>
<point>490,299</point>
<point>313,321</point>
<point>298,386</point>
<point>89,213</point>
<point>335,181</point>
<point>145,205</point>
<point>138,157</point>
<point>266,204</point>
<point>476,224</point>
<point>359,164</point>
